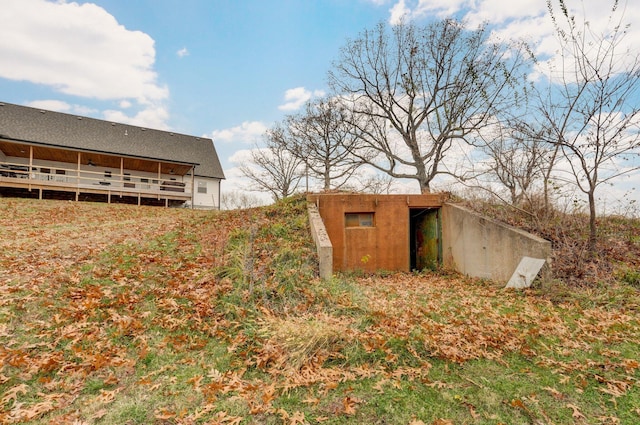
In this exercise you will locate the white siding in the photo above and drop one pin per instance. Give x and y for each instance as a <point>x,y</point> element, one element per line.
<point>211,197</point>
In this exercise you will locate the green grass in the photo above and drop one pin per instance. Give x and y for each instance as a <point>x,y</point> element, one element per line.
<point>173,316</point>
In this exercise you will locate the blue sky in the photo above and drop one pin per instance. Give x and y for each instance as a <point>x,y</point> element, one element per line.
<point>225,69</point>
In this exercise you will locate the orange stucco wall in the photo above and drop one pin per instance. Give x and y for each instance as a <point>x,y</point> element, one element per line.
<point>385,246</point>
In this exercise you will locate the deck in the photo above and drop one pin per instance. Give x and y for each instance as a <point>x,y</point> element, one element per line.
<point>78,181</point>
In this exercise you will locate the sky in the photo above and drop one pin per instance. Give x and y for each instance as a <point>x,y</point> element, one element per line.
<point>224,69</point>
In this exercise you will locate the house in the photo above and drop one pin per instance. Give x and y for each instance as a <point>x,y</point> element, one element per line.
<point>48,154</point>
<point>369,233</point>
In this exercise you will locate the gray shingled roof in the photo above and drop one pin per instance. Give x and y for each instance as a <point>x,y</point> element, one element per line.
<point>88,134</point>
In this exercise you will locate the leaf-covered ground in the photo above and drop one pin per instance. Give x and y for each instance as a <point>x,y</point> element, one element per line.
<point>117,314</point>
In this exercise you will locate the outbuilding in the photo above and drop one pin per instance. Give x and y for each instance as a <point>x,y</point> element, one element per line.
<point>370,233</point>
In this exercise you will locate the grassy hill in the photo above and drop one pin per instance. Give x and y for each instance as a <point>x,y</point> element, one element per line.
<point>117,314</point>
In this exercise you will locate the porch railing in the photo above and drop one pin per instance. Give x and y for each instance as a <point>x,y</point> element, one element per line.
<point>106,181</point>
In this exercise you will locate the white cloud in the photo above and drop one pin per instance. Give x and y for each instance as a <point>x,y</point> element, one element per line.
<point>247,132</point>
<point>183,52</point>
<point>79,50</point>
<point>439,8</point>
<point>398,12</point>
<point>61,106</point>
<point>474,11</point>
<point>239,157</point>
<point>500,12</point>
<point>295,98</point>
<point>528,20</point>
<point>50,105</point>
<point>152,117</point>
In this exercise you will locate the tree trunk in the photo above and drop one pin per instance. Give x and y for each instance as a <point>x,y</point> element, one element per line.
<point>592,223</point>
<point>424,187</point>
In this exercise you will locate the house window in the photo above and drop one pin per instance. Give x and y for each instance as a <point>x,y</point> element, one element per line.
<point>202,187</point>
<point>60,175</point>
<point>45,174</point>
<point>127,178</point>
<point>358,219</point>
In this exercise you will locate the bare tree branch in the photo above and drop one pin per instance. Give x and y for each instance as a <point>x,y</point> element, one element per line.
<point>273,169</point>
<point>322,138</point>
<point>593,115</point>
<point>415,91</point>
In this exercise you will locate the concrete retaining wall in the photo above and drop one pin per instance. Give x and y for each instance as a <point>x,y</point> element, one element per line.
<point>323,243</point>
<point>480,247</point>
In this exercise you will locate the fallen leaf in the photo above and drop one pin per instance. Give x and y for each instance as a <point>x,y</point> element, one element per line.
<point>472,410</point>
<point>555,393</point>
<point>12,393</point>
<point>164,414</point>
<point>99,414</point>
<point>312,401</point>
<point>349,404</point>
<point>379,386</point>
<point>518,403</point>
<point>108,396</point>
<point>297,418</point>
<point>576,412</point>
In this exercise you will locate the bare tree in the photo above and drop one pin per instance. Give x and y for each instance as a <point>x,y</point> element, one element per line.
<point>414,91</point>
<point>368,180</point>
<point>322,138</point>
<point>516,160</point>
<point>273,168</point>
<point>592,110</point>
<point>376,183</point>
<point>238,200</point>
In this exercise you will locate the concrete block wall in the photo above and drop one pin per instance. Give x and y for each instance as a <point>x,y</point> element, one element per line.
<point>480,247</point>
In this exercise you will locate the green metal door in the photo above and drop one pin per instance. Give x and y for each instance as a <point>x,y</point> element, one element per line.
<point>427,239</point>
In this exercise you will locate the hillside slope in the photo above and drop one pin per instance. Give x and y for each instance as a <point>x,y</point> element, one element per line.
<point>113,314</point>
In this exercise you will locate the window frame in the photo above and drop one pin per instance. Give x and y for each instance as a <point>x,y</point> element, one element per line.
<point>355,220</point>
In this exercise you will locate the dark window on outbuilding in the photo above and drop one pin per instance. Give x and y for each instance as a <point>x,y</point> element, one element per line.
<point>358,219</point>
